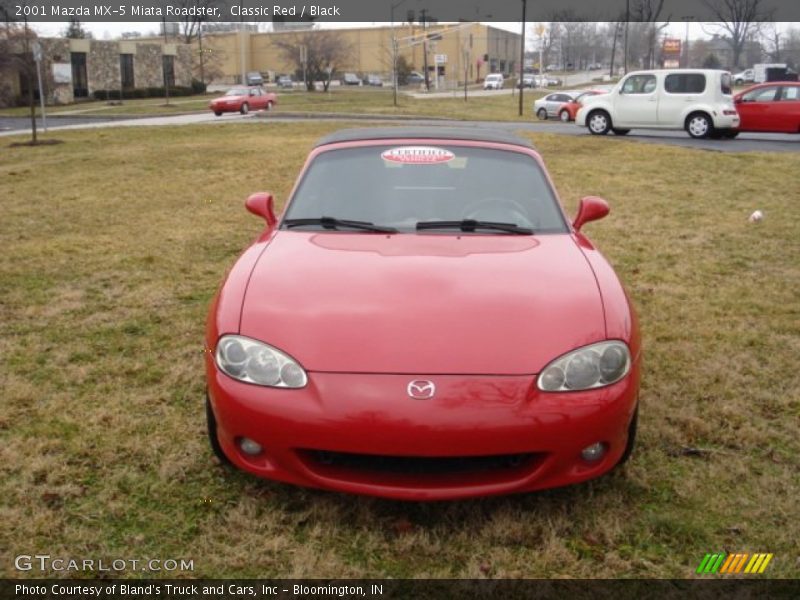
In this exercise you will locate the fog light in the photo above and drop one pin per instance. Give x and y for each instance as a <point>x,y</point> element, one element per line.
<point>594,452</point>
<point>250,447</point>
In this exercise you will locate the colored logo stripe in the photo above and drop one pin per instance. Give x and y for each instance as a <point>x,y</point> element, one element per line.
<point>734,563</point>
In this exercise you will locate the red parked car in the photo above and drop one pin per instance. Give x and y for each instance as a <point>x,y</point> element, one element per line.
<point>243,100</point>
<point>770,107</point>
<point>568,110</point>
<point>409,329</point>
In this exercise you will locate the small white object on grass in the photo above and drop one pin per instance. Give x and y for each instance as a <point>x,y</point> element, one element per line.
<point>756,216</point>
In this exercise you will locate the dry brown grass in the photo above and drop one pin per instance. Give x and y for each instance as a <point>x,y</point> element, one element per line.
<point>114,242</point>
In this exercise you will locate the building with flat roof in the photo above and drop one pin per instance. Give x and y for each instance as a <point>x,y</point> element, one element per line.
<point>453,50</point>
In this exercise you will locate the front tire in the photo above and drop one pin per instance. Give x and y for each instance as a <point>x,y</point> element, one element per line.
<point>245,108</point>
<point>269,105</point>
<point>599,122</point>
<point>564,116</point>
<point>542,114</point>
<point>218,113</point>
<point>699,126</point>
<point>213,440</point>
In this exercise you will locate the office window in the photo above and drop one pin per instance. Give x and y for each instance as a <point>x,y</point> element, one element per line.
<point>168,63</point>
<point>126,71</point>
<point>80,87</point>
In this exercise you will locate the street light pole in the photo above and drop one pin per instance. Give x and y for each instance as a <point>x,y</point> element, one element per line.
<point>425,49</point>
<point>627,21</point>
<point>522,56</point>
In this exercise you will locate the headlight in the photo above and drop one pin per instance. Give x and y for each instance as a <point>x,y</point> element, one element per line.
<point>589,367</point>
<point>255,362</point>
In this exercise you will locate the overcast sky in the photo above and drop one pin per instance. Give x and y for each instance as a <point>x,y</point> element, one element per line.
<point>114,30</point>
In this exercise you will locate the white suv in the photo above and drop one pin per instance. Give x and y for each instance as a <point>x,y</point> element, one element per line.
<point>493,82</point>
<point>697,100</point>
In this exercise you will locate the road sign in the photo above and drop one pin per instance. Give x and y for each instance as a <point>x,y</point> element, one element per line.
<point>37,51</point>
<point>440,59</point>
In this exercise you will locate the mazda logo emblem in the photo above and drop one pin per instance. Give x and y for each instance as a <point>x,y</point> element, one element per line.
<point>421,390</point>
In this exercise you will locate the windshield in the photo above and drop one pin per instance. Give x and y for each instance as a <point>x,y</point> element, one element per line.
<point>400,186</point>
<point>236,92</point>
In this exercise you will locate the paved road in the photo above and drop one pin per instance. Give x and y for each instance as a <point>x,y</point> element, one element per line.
<point>746,142</point>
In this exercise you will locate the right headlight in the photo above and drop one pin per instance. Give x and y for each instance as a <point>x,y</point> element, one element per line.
<point>593,366</point>
<point>255,362</point>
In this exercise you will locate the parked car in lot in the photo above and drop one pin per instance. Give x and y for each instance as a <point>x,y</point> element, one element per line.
<point>285,81</point>
<point>568,110</point>
<point>770,107</point>
<point>243,100</point>
<point>255,78</point>
<point>697,100</point>
<point>493,81</point>
<point>415,78</point>
<point>409,329</point>
<point>528,81</point>
<point>373,80</point>
<point>350,79</point>
<point>746,76</point>
<point>548,106</point>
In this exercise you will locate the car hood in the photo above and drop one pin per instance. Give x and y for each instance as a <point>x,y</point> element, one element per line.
<point>423,304</point>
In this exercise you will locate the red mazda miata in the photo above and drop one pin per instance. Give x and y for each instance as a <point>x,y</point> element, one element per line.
<point>423,322</point>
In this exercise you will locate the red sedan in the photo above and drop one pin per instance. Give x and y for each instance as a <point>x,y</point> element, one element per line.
<point>568,110</point>
<point>243,100</point>
<point>409,329</point>
<point>770,107</point>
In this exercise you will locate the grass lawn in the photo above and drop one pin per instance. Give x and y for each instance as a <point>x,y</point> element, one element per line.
<point>114,242</point>
<point>502,107</point>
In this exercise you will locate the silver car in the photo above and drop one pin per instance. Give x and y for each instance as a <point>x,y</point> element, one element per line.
<point>549,105</point>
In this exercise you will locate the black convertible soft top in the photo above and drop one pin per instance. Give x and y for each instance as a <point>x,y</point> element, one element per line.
<point>423,133</point>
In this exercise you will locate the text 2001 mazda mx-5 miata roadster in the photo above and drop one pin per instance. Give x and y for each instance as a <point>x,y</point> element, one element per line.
<point>423,322</point>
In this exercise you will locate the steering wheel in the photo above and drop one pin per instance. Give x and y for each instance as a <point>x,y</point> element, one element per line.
<point>501,210</point>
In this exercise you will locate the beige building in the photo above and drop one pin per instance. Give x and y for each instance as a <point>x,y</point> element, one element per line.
<point>478,48</point>
<point>77,68</point>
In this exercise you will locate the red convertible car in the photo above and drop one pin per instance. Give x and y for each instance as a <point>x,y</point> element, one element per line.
<point>243,100</point>
<point>408,329</point>
<point>770,107</point>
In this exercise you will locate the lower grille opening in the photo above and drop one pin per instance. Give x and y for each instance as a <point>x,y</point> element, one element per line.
<point>421,465</point>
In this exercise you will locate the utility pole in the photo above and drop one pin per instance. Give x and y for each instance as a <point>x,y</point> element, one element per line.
<point>522,56</point>
<point>200,42</point>
<point>164,60</point>
<point>686,43</point>
<point>425,48</point>
<point>37,57</point>
<point>394,51</point>
<point>304,60</point>
<point>627,22</point>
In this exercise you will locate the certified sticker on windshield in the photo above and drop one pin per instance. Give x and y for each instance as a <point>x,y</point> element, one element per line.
<point>418,155</point>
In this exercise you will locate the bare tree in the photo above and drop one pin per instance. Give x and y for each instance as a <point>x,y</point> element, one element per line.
<point>737,21</point>
<point>16,56</point>
<point>190,26</point>
<point>325,50</point>
<point>649,12</point>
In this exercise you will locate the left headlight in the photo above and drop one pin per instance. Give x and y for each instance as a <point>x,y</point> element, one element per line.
<point>251,361</point>
<point>592,366</point>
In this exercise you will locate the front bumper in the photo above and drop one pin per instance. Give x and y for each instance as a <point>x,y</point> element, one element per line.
<point>371,421</point>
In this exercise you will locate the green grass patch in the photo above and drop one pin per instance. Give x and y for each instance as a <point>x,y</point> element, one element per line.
<point>114,242</point>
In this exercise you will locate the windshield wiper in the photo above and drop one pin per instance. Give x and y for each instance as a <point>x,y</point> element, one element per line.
<point>334,223</point>
<point>471,225</point>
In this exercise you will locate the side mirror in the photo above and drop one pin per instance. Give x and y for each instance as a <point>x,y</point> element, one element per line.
<point>737,100</point>
<point>261,204</point>
<point>591,208</point>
